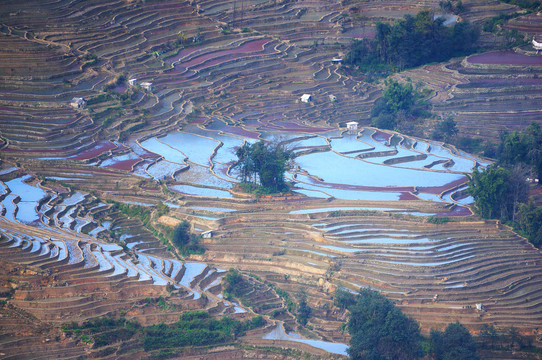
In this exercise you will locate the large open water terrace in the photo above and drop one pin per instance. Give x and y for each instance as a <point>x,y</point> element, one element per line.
<point>368,164</point>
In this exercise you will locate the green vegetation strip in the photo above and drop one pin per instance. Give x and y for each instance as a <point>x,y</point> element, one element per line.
<point>194,329</point>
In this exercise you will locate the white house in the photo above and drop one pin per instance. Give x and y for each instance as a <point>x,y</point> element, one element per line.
<point>146,85</point>
<point>207,234</point>
<point>306,98</point>
<point>536,45</point>
<point>78,103</point>
<point>336,60</point>
<point>352,126</point>
<point>332,98</point>
<point>132,82</point>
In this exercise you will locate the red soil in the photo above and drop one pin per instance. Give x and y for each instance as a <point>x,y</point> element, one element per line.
<point>126,165</point>
<point>505,58</point>
<point>100,148</point>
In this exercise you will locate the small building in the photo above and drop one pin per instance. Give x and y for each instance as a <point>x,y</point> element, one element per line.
<point>536,45</point>
<point>336,60</point>
<point>146,85</point>
<point>132,82</point>
<point>78,103</point>
<point>207,234</point>
<point>480,307</point>
<point>306,98</point>
<point>332,98</point>
<point>352,126</point>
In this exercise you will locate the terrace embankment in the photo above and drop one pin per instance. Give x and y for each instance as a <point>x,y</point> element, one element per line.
<point>446,269</point>
<point>237,70</point>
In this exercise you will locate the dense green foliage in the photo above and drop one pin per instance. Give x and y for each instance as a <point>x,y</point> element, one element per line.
<point>455,343</point>
<point>380,330</point>
<point>194,328</point>
<point>102,331</point>
<point>501,190</point>
<point>529,223</point>
<point>525,147</point>
<point>395,106</point>
<point>343,299</point>
<point>185,241</point>
<point>534,5</point>
<point>232,284</point>
<point>303,310</point>
<point>290,305</point>
<point>490,188</point>
<point>445,130</point>
<point>509,338</point>
<point>410,42</point>
<point>262,165</point>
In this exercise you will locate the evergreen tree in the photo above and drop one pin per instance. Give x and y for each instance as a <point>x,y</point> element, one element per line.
<point>380,330</point>
<point>456,343</point>
<point>262,165</point>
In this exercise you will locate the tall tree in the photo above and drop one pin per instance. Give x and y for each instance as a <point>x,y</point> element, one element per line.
<point>380,330</point>
<point>263,165</point>
<point>495,192</point>
<point>455,343</point>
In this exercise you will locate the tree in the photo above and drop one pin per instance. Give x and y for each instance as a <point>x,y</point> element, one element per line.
<point>181,234</point>
<point>456,343</point>
<point>525,147</point>
<point>185,241</point>
<point>233,283</point>
<point>262,165</point>
<point>413,41</point>
<point>303,310</point>
<point>380,330</point>
<point>398,96</point>
<point>445,130</point>
<point>496,192</point>
<point>530,223</point>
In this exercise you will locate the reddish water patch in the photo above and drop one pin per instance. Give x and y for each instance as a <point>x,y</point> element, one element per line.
<point>505,58</point>
<point>435,190</point>
<point>200,120</point>
<point>251,46</point>
<point>456,211</point>
<point>97,150</point>
<point>405,189</point>
<point>234,130</point>
<point>408,196</point>
<point>183,53</point>
<point>121,89</point>
<point>43,151</point>
<point>381,136</point>
<point>126,165</point>
<point>504,82</point>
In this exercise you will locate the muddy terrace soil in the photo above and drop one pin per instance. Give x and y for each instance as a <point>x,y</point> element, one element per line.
<point>71,250</point>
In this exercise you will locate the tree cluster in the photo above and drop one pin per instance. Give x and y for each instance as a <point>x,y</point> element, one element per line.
<point>303,310</point>
<point>501,190</point>
<point>380,331</point>
<point>185,241</point>
<point>497,192</point>
<point>524,148</point>
<point>196,328</point>
<point>412,41</point>
<point>398,105</point>
<point>262,165</point>
<point>232,284</point>
<point>455,343</point>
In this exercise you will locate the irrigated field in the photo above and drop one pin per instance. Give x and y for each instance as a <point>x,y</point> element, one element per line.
<point>225,73</point>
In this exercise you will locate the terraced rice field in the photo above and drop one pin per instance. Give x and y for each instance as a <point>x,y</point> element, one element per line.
<point>223,75</point>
